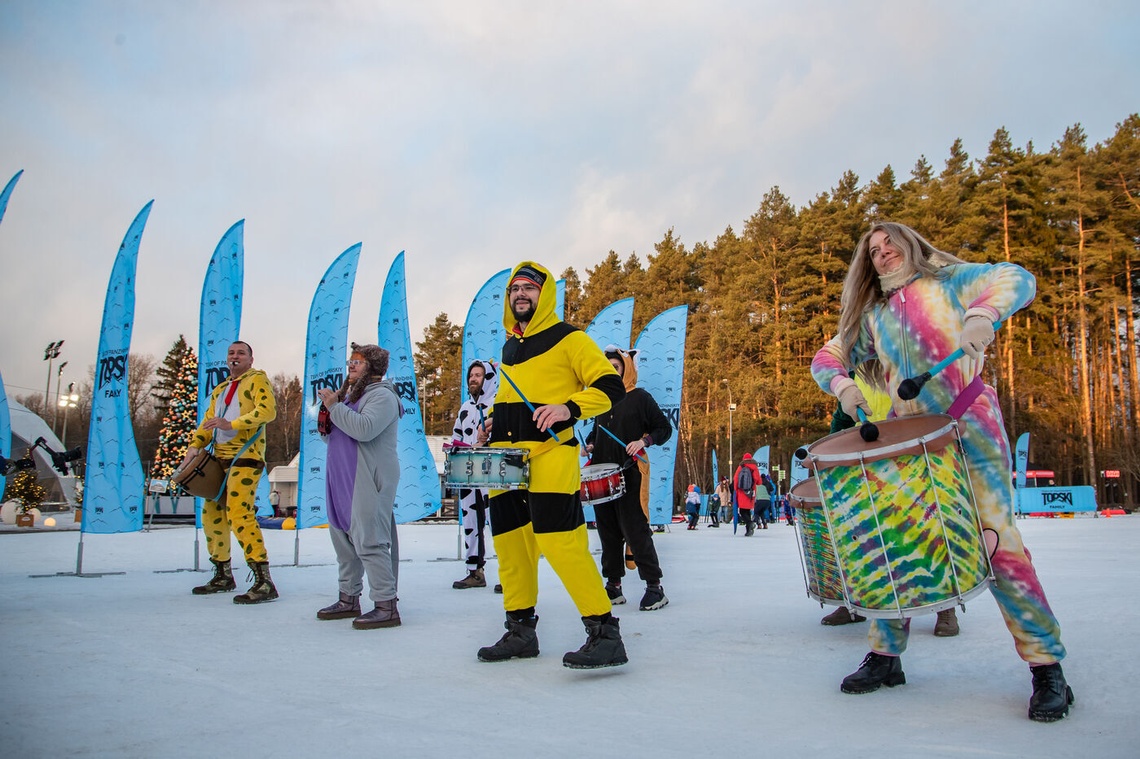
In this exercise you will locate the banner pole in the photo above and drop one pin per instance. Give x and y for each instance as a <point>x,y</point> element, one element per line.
<point>296,544</point>
<point>79,556</point>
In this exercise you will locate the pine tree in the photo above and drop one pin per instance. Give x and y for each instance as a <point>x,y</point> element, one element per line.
<point>177,396</point>
<point>437,361</point>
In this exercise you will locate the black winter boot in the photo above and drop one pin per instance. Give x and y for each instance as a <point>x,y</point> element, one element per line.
<point>221,582</point>
<point>603,646</point>
<point>520,641</point>
<point>262,589</point>
<point>1052,696</point>
<point>613,590</point>
<point>346,607</point>
<point>876,670</point>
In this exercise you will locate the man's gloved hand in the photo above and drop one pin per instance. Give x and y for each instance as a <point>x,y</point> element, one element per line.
<point>977,333</point>
<point>851,398</point>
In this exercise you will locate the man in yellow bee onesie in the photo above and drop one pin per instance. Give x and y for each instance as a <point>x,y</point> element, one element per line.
<point>565,377</point>
<point>238,411</point>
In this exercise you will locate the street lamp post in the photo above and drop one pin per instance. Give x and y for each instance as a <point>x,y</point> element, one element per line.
<point>731,408</point>
<point>58,382</point>
<point>68,402</point>
<point>51,352</point>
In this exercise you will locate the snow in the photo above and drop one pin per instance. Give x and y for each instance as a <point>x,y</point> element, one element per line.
<point>133,665</point>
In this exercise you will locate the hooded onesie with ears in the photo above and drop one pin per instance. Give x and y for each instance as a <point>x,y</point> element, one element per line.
<point>910,330</point>
<point>472,501</point>
<point>551,363</point>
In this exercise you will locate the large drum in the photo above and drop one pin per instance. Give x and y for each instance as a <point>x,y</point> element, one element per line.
<point>486,468</point>
<point>821,566</point>
<point>902,516</point>
<point>602,483</point>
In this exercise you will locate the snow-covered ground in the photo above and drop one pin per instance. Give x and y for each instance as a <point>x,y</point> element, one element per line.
<point>133,665</point>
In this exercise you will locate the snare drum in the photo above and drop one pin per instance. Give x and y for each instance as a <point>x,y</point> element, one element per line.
<point>821,566</point>
<point>602,483</point>
<point>902,516</point>
<point>486,468</point>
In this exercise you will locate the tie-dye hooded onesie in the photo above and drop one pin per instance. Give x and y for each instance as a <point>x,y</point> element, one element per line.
<point>912,331</point>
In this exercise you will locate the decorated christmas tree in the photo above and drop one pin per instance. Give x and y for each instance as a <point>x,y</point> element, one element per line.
<point>25,487</point>
<point>177,394</point>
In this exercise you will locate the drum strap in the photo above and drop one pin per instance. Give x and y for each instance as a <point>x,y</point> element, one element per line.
<point>546,445</point>
<point>966,398</point>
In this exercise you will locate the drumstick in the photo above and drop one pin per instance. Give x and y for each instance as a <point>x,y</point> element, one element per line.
<point>869,432</point>
<point>619,442</point>
<point>910,388</point>
<point>529,405</point>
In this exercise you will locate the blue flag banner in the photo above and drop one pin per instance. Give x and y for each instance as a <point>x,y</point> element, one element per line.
<point>1021,459</point>
<point>261,499</point>
<point>483,333</point>
<point>661,373</point>
<point>761,458</point>
<point>219,316</point>
<point>715,473</point>
<point>114,486</point>
<point>799,472</point>
<point>560,299</point>
<point>5,430</point>
<point>7,193</point>
<point>418,494</point>
<point>612,326</point>
<point>219,319</point>
<point>326,350</point>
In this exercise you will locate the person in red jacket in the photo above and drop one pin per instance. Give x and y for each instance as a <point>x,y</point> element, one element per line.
<point>746,480</point>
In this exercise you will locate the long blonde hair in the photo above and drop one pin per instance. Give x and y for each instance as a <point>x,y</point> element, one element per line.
<point>861,288</point>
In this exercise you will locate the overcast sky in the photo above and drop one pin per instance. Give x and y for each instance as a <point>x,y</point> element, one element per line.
<point>473,135</point>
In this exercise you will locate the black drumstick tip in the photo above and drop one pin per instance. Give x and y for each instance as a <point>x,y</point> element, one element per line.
<point>910,388</point>
<point>869,432</point>
<point>801,453</point>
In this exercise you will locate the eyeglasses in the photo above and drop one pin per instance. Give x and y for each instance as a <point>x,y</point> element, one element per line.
<point>356,362</point>
<point>523,287</point>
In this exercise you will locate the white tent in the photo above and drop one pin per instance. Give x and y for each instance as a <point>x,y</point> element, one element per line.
<point>28,427</point>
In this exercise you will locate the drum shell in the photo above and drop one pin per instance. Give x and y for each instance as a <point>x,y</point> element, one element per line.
<point>821,565</point>
<point>601,483</point>
<point>202,476</point>
<point>486,468</point>
<point>901,515</point>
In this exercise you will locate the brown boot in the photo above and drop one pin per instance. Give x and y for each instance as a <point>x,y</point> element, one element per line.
<point>384,615</point>
<point>947,624</point>
<point>841,616</point>
<point>262,589</point>
<point>221,582</point>
<point>474,579</point>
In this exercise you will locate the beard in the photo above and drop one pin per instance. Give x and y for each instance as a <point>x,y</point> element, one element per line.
<point>523,310</point>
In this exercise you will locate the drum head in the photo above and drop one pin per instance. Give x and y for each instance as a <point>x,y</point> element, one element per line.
<point>806,494</point>
<point>594,471</point>
<point>899,436</point>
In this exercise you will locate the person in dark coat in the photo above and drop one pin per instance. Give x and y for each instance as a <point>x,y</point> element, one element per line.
<point>637,421</point>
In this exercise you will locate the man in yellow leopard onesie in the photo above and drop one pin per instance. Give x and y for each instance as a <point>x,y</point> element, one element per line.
<point>552,375</point>
<point>235,419</point>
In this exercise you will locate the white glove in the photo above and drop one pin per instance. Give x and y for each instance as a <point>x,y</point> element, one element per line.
<point>851,398</point>
<point>977,333</point>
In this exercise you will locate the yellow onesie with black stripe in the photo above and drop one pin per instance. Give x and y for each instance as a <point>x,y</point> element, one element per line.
<point>251,405</point>
<point>552,363</point>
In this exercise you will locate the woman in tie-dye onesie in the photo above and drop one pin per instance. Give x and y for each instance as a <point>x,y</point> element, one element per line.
<point>910,305</point>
